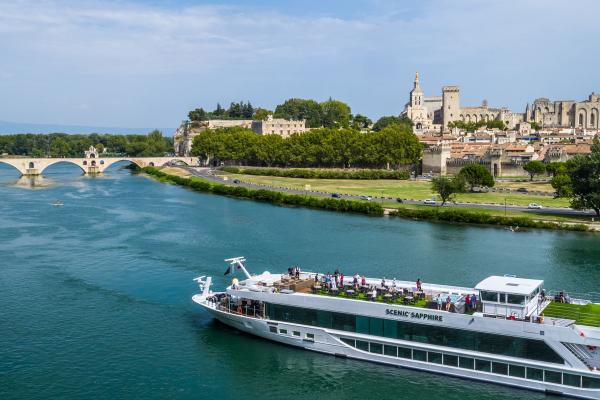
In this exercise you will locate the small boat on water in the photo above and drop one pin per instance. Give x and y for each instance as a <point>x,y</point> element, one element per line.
<point>504,330</point>
<point>58,203</point>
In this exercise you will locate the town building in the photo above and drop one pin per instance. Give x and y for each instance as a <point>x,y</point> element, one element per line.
<point>184,135</point>
<point>435,113</point>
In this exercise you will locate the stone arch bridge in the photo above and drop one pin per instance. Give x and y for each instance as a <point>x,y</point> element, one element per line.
<point>91,165</point>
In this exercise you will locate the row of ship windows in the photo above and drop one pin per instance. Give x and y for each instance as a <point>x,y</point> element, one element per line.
<point>518,371</point>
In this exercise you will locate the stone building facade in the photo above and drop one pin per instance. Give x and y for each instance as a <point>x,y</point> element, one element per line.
<point>565,113</point>
<point>184,135</point>
<point>278,126</point>
<point>435,113</point>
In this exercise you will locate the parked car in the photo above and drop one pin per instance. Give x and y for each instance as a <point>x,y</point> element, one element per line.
<point>336,195</point>
<point>236,181</point>
<point>367,198</point>
<point>399,200</point>
<point>534,206</point>
<point>523,190</point>
<point>430,202</point>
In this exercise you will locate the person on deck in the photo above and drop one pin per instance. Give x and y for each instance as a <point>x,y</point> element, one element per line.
<point>468,302</point>
<point>342,279</point>
<point>383,282</point>
<point>374,294</point>
<point>363,281</point>
<point>419,288</point>
<point>448,303</point>
<point>439,302</point>
<point>474,302</point>
<point>297,272</point>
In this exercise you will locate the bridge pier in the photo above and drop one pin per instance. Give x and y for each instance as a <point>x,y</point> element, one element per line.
<point>31,172</point>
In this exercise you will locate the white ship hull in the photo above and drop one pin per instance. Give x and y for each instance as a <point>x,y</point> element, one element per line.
<point>328,341</point>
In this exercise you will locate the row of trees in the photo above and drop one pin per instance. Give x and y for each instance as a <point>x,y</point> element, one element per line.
<point>392,147</point>
<point>328,114</point>
<point>67,145</point>
<point>239,110</point>
<point>473,126</point>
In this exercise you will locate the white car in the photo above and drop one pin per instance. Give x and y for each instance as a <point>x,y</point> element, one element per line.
<point>534,206</point>
<point>367,198</point>
<point>430,202</point>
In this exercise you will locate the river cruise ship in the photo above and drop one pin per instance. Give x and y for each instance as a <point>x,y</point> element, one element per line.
<point>504,330</point>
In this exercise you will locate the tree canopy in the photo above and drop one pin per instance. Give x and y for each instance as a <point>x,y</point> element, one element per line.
<point>534,168</point>
<point>297,109</point>
<point>392,119</point>
<point>477,175</point>
<point>580,180</point>
<point>473,126</point>
<point>447,187</point>
<point>393,147</point>
<point>239,110</point>
<point>74,145</point>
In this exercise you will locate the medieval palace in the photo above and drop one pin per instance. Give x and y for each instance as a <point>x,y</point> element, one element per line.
<point>434,113</point>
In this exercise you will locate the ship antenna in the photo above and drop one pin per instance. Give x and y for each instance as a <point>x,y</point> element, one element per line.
<point>238,262</point>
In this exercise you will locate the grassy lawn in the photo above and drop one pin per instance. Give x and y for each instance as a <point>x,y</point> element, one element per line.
<point>176,171</point>
<point>418,190</point>
<point>584,315</point>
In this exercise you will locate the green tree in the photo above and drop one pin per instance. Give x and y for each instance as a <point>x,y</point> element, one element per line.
<point>198,115</point>
<point>495,123</point>
<point>534,168</point>
<point>556,168</point>
<point>581,180</point>
<point>59,148</point>
<point>335,114</point>
<point>360,121</point>
<point>298,109</point>
<point>391,119</point>
<point>477,175</point>
<point>535,126</point>
<point>447,187</point>
<point>261,114</point>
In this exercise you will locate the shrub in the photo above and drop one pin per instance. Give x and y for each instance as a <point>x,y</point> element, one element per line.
<point>307,173</point>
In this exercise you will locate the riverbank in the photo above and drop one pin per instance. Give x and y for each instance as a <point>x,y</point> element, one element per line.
<point>268,196</point>
<point>483,217</point>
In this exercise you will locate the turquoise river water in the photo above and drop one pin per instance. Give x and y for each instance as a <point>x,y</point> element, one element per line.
<point>95,295</point>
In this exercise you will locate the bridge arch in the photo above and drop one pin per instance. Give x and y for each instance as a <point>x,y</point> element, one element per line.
<point>12,165</point>
<point>170,160</point>
<point>59,161</point>
<point>107,163</point>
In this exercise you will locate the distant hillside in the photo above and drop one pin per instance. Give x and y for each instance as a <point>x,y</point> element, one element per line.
<point>7,127</point>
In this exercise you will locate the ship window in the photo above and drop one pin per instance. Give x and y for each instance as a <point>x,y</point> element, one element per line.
<point>571,380</point>
<point>451,360</point>
<point>323,319</point>
<point>517,371</point>
<point>310,336</point>
<point>483,365</point>
<point>435,358</point>
<point>390,351</point>
<point>376,348</point>
<point>376,326</point>
<point>465,362</point>
<point>283,331</point>
<point>500,368</point>
<point>489,296</point>
<point>419,355</point>
<point>591,383</point>
<point>362,345</point>
<point>404,352</point>
<point>349,342</point>
<point>296,333</point>
<point>390,328</point>
<point>515,299</point>
<point>552,377</point>
<point>273,329</point>
<point>343,322</point>
<point>362,324</point>
<point>535,373</point>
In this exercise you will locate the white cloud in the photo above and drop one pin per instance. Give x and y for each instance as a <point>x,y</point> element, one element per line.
<point>113,56</point>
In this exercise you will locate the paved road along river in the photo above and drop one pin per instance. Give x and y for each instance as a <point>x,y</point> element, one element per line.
<point>95,294</point>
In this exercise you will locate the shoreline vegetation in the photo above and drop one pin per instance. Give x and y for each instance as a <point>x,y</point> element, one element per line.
<point>268,196</point>
<point>435,214</point>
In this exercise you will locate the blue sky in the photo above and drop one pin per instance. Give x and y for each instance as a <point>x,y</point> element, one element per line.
<point>146,63</point>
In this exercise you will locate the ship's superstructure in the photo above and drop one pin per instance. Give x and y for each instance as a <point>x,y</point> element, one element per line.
<point>499,331</point>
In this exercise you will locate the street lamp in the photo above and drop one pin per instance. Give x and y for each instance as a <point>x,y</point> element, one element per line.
<point>505,206</point>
